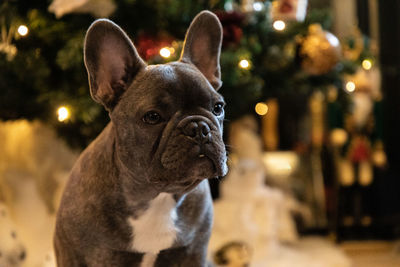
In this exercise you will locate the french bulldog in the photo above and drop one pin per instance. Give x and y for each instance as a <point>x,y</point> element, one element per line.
<point>138,194</point>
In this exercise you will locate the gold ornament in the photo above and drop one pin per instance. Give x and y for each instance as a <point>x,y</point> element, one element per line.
<point>269,124</point>
<point>320,51</point>
<point>354,46</point>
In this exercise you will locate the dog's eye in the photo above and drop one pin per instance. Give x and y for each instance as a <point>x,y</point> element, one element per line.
<point>218,109</point>
<point>152,117</point>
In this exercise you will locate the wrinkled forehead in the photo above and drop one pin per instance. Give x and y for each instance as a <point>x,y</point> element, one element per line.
<point>181,82</point>
<point>180,78</point>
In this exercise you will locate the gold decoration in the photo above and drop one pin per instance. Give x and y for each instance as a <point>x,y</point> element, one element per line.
<point>346,172</point>
<point>317,119</point>
<point>270,125</point>
<point>320,51</point>
<point>365,173</point>
<point>6,38</point>
<point>353,48</point>
<point>348,221</point>
<point>379,156</point>
<point>366,220</point>
<point>332,94</point>
<point>338,137</point>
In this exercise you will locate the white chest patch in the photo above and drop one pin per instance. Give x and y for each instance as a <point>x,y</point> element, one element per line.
<point>155,229</point>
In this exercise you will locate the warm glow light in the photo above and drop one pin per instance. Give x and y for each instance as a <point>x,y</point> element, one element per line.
<point>261,109</point>
<point>165,52</point>
<point>23,30</point>
<point>279,25</point>
<point>257,6</point>
<point>367,64</point>
<point>350,87</point>
<point>244,64</point>
<point>281,164</point>
<point>63,113</point>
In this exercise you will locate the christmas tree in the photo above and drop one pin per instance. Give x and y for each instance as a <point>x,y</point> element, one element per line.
<point>270,50</point>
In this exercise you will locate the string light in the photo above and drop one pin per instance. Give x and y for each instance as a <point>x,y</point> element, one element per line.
<point>350,87</point>
<point>366,64</point>
<point>279,25</point>
<point>261,109</point>
<point>63,113</point>
<point>166,52</point>
<point>257,6</point>
<point>244,64</point>
<point>23,30</point>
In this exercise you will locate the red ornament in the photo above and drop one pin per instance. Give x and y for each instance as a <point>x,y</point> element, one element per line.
<point>360,150</point>
<point>149,46</point>
<point>231,24</point>
<point>289,10</point>
<point>286,7</point>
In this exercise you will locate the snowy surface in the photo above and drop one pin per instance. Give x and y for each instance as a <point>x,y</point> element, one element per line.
<point>259,216</point>
<point>34,166</point>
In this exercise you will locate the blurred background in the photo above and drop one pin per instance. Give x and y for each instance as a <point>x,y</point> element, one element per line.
<point>312,92</point>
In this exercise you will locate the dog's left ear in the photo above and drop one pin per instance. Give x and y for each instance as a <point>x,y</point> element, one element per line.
<point>202,46</point>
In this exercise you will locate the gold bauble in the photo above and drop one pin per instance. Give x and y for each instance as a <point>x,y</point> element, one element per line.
<point>320,51</point>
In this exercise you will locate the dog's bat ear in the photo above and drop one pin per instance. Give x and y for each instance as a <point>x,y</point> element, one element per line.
<point>202,46</point>
<point>111,61</point>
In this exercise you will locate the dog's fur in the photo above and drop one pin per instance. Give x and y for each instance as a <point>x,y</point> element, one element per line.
<point>137,196</point>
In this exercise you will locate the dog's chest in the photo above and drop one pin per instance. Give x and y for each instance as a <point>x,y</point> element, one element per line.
<point>155,229</point>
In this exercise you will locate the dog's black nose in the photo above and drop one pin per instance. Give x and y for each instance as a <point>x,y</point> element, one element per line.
<point>198,130</point>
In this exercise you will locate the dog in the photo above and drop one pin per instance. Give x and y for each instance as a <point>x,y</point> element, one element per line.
<point>138,194</point>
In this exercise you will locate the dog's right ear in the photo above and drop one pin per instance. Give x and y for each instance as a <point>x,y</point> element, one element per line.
<point>111,61</point>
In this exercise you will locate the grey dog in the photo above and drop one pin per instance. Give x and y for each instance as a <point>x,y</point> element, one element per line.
<point>138,195</point>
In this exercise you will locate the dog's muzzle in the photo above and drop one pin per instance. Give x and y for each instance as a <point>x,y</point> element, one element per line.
<point>196,129</point>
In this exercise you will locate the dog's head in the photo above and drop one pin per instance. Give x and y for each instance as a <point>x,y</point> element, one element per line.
<point>167,118</point>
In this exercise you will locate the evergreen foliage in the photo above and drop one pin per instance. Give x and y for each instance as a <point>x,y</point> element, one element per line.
<point>47,71</point>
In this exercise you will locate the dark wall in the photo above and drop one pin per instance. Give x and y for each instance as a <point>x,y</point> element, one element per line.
<point>389,31</point>
<point>363,16</point>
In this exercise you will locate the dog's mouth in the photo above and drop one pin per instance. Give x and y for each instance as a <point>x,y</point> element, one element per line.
<point>185,165</point>
<point>217,166</point>
<point>207,162</point>
<point>186,161</point>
